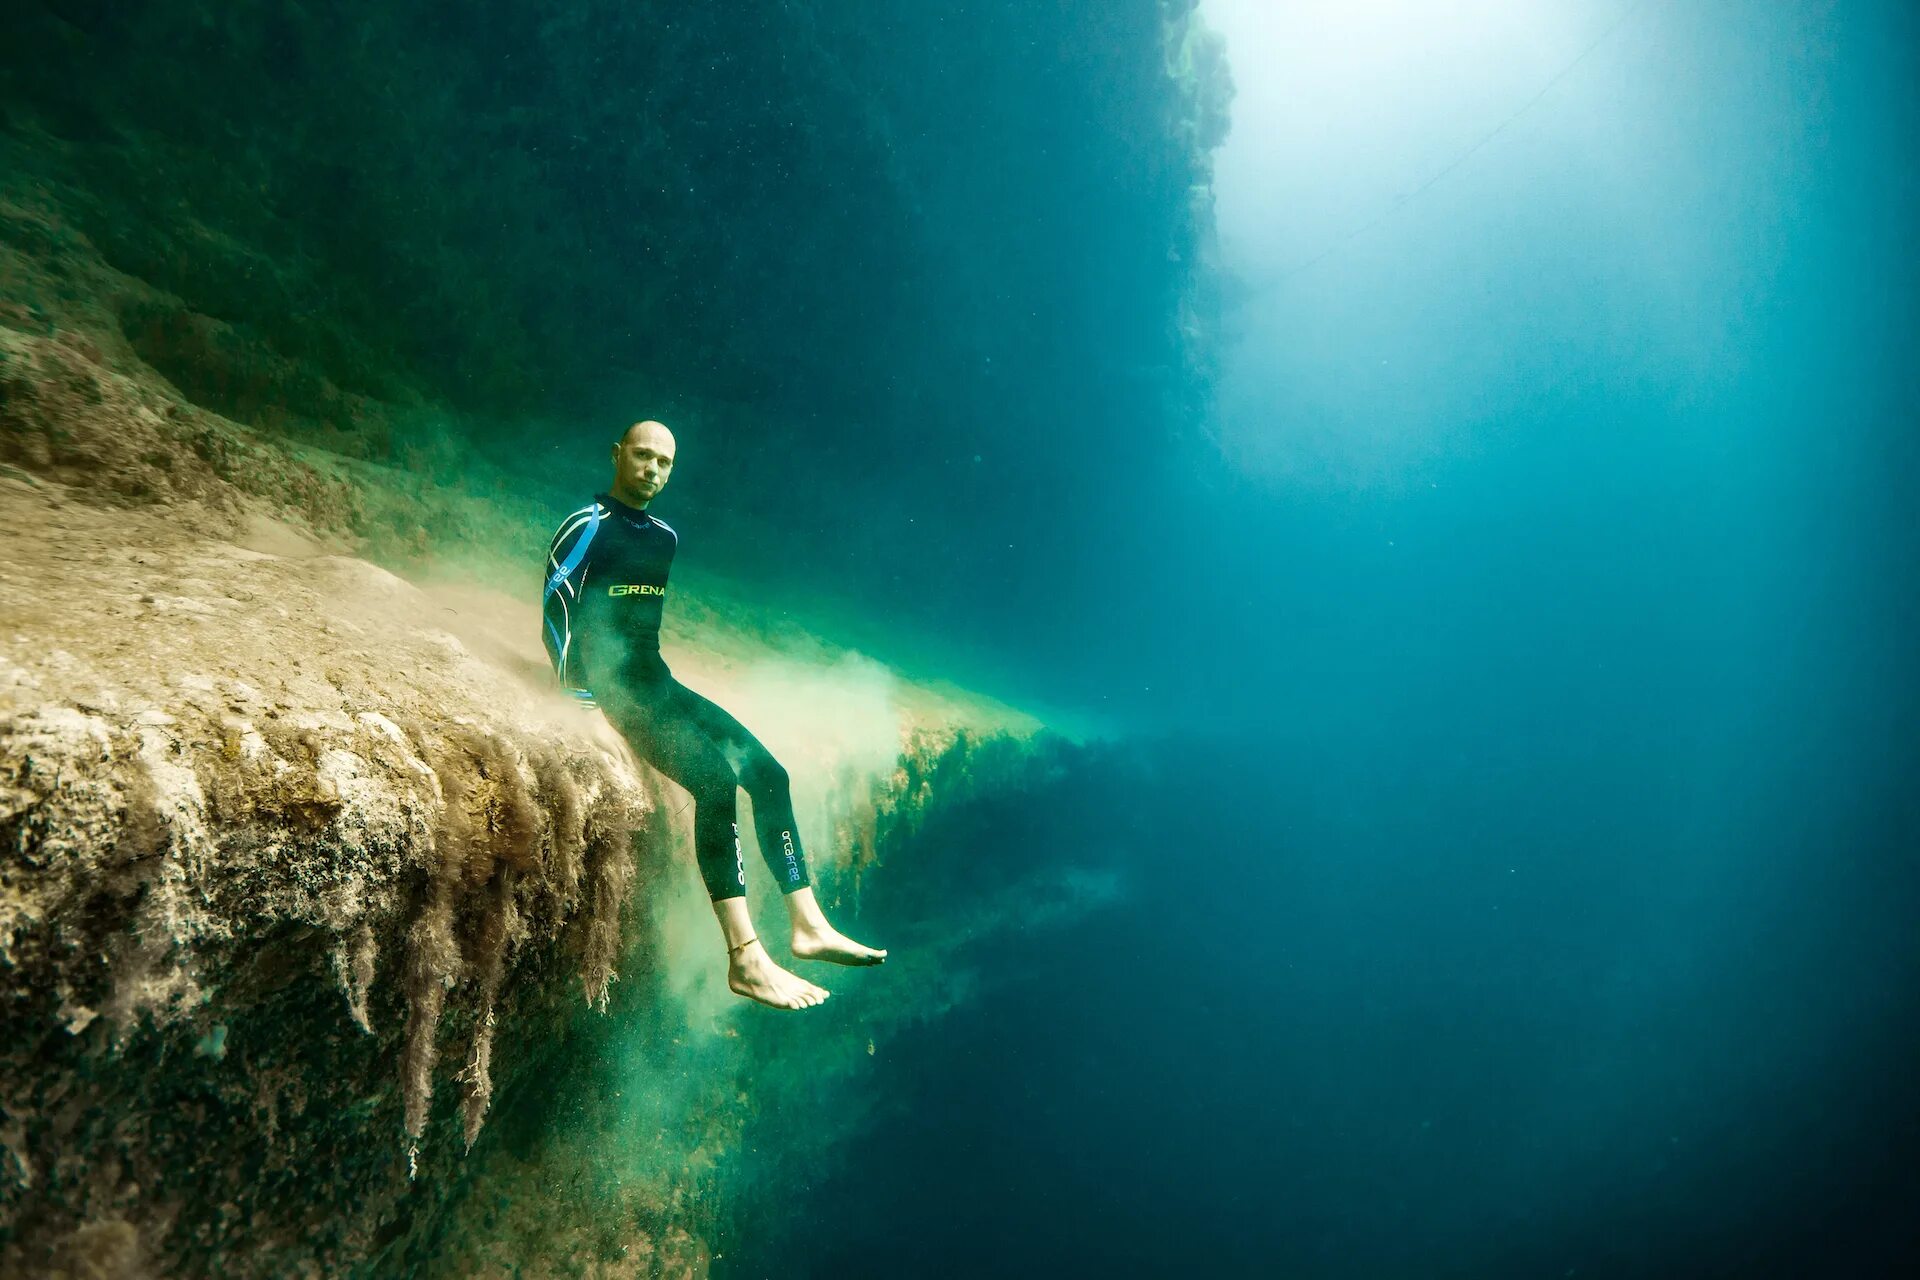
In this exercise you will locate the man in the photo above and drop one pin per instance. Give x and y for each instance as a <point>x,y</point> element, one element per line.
<point>606,589</point>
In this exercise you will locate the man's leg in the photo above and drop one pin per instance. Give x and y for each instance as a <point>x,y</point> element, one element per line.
<point>666,739</point>
<point>764,779</point>
<point>660,732</point>
<point>778,835</point>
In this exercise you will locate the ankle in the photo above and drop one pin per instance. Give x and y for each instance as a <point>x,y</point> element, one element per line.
<point>803,909</point>
<point>813,927</point>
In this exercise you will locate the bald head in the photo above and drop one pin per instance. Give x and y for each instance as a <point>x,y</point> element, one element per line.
<point>647,427</point>
<point>642,461</point>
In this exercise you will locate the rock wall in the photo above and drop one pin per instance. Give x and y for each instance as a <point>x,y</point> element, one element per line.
<point>276,843</point>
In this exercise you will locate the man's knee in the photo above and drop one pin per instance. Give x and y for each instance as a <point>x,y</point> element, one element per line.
<point>713,784</point>
<point>763,774</point>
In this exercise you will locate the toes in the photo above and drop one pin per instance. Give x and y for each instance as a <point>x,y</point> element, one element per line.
<point>784,992</point>
<point>799,993</point>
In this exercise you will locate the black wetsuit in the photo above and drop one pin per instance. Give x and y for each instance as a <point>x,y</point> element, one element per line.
<point>606,589</point>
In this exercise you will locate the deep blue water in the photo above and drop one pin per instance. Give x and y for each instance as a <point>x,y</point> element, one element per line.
<point>1394,1011</point>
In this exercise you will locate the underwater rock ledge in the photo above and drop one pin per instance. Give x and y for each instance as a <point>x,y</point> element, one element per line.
<point>299,863</point>
<point>259,812</point>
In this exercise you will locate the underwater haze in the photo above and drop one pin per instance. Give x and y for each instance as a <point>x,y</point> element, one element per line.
<point>1339,582</point>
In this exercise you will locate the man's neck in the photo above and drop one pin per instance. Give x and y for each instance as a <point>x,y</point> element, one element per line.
<point>628,500</point>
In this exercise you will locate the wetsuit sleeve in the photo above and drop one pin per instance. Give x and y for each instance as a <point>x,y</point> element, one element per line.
<point>569,557</point>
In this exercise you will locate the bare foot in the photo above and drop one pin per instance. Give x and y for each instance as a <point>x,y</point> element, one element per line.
<point>752,973</point>
<point>824,942</point>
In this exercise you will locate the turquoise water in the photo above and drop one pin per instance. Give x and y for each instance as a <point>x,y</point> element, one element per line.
<point>1519,881</point>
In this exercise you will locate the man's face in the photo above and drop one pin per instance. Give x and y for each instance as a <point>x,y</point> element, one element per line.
<point>643,460</point>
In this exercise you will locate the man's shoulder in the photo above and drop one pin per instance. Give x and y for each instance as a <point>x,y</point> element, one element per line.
<point>578,519</point>
<point>582,515</point>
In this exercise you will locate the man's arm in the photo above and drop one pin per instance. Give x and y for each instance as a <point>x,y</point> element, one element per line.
<point>560,590</point>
